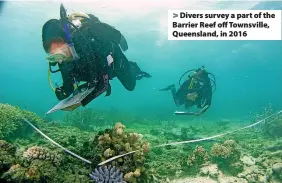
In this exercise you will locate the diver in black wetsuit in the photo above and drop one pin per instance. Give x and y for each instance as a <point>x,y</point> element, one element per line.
<point>90,53</point>
<point>196,90</point>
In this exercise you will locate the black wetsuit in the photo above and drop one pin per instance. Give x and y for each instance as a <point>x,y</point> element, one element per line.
<point>203,88</point>
<point>97,41</point>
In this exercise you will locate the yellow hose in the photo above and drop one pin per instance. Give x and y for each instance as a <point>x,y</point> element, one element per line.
<point>191,83</point>
<point>49,80</point>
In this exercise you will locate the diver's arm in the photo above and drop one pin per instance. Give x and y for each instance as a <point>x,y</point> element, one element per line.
<point>67,88</point>
<point>206,106</point>
<point>100,87</point>
<point>202,110</point>
<point>63,93</point>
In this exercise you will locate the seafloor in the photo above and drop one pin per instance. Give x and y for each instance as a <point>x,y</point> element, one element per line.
<point>251,155</point>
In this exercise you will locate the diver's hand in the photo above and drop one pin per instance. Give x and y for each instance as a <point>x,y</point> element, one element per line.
<point>197,113</point>
<point>73,107</point>
<point>60,94</point>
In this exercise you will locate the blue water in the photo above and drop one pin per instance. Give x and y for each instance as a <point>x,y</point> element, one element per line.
<point>248,73</point>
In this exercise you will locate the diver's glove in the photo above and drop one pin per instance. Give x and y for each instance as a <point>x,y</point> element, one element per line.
<point>60,94</point>
<point>197,113</point>
<point>123,43</point>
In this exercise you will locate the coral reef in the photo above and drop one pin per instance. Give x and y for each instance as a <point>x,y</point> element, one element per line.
<point>117,141</point>
<point>41,153</point>
<point>227,156</point>
<point>209,174</point>
<point>269,165</point>
<point>253,174</point>
<point>27,158</point>
<point>210,170</point>
<point>274,129</point>
<point>86,119</point>
<point>222,124</point>
<point>272,124</point>
<point>39,164</point>
<point>11,121</point>
<point>107,174</point>
<point>198,157</point>
<point>7,156</point>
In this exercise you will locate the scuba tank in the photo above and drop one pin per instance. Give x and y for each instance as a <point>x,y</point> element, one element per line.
<point>213,81</point>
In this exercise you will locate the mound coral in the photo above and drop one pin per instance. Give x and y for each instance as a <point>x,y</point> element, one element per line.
<point>227,156</point>
<point>198,157</point>
<point>41,153</point>
<point>11,123</point>
<point>228,150</point>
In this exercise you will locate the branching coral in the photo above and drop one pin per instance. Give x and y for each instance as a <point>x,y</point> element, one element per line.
<point>119,129</point>
<point>272,124</point>
<point>274,129</point>
<point>107,174</point>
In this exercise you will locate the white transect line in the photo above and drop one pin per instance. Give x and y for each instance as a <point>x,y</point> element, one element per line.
<point>219,135</point>
<point>58,145</point>
<point>162,145</point>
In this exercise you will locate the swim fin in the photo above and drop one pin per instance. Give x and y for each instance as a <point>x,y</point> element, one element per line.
<point>109,91</point>
<point>142,74</point>
<point>170,87</point>
<point>137,71</point>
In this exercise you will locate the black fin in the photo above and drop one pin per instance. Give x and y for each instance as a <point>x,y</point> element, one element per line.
<point>109,91</point>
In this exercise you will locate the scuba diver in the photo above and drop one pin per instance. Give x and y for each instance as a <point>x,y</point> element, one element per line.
<point>87,50</point>
<point>195,91</point>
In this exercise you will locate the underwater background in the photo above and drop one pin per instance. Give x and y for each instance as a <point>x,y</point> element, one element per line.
<point>248,73</point>
<point>141,122</point>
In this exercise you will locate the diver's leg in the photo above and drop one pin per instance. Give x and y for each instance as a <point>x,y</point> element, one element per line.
<point>170,87</point>
<point>175,95</point>
<point>127,71</point>
<point>123,71</point>
<point>137,71</point>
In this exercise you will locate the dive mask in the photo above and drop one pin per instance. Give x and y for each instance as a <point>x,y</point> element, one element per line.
<point>59,55</point>
<point>54,58</point>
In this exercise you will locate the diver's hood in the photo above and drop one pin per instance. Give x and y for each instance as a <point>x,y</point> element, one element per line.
<point>52,29</point>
